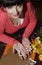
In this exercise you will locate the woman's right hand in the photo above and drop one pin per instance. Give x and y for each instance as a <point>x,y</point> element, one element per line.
<point>20,50</point>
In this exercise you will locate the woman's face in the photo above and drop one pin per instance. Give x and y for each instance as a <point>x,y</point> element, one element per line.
<point>14,11</point>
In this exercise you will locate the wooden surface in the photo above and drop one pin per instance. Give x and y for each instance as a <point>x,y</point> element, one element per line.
<point>11,59</point>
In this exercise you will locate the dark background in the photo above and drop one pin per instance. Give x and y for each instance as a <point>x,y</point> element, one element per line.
<point>38,7</point>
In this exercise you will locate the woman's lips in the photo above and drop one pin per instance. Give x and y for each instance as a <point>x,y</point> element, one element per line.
<point>15,15</point>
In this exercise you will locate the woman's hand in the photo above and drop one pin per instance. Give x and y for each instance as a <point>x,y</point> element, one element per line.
<point>20,50</point>
<point>26,43</point>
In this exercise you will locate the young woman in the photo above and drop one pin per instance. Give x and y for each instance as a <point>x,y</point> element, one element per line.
<point>17,22</point>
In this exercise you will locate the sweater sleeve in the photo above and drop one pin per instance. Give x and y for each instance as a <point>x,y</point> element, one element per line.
<point>32,21</point>
<point>4,38</point>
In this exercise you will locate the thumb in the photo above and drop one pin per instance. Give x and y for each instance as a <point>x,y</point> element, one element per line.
<point>13,49</point>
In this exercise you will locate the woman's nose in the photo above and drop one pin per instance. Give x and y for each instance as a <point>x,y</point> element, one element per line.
<point>15,11</point>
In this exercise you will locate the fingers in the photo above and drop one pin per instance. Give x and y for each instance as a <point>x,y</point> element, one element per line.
<point>26,43</point>
<point>13,50</point>
<point>20,55</point>
<point>20,50</point>
<point>23,54</point>
<point>28,50</point>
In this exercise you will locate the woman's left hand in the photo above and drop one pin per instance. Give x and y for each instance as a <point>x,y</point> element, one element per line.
<point>26,43</point>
